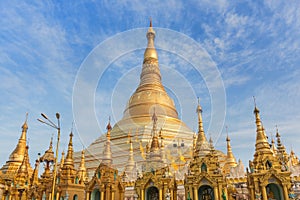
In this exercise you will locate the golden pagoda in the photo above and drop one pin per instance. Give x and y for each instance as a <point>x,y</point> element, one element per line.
<point>150,95</point>
<point>164,160</point>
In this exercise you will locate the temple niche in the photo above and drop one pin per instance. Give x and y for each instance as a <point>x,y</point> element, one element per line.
<point>154,155</point>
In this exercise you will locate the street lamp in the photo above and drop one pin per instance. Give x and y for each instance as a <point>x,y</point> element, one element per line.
<point>57,127</point>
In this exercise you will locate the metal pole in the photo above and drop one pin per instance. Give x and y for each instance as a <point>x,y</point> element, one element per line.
<point>55,164</point>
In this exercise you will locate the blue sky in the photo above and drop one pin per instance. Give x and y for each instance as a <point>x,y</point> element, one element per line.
<point>46,45</point>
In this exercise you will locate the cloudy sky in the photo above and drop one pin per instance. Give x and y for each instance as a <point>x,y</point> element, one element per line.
<point>83,60</point>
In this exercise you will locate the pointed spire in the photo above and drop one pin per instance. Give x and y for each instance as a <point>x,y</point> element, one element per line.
<point>202,145</point>
<point>281,151</point>
<point>82,174</point>
<point>211,144</point>
<point>293,158</point>
<point>150,25</point>
<point>150,52</point>
<point>230,160</point>
<point>130,163</point>
<point>62,160</point>
<point>155,142</point>
<point>18,154</point>
<point>261,144</point>
<point>201,134</point>
<point>107,155</point>
<point>69,158</point>
<point>35,174</point>
<point>24,128</point>
<point>273,146</point>
<point>162,148</point>
<point>23,169</point>
<point>82,162</point>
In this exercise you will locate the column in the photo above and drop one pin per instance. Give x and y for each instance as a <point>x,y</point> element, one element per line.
<point>226,192</point>
<point>264,193</point>
<point>87,196</point>
<point>195,193</point>
<point>102,194</point>
<point>220,192</point>
<point>216,193</point>
<point>172,193</point>
<point>142,194</point>
<point>112,195</point>
<point>285,192</point>
<point>252,194</point>
<point>57,195</point>
<point>160,194</point>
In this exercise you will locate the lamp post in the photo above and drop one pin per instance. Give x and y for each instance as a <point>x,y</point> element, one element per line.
<point>57,127</point>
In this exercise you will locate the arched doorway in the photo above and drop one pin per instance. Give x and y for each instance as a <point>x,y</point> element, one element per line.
<point>274,191</point>
<point>152,193</point>
<point>206,192</point>
<point>75,197</point>
<point>95,195</point>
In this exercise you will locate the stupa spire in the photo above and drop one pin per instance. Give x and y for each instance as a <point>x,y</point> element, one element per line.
<point>23,169</point>
<point>155,142</point>
<point>273,146</point>
<point>107,155</point>
<point>261,144</point>
<point>18,154</point>
<point>281,151</point>
<point>230,160</point>
<point>69,157</point>
<point>130,163</point>
<point>150,52</point>
<point>35,174</point>
<point>201,134</point>
<point>202,145</point>
<point>82,173</point>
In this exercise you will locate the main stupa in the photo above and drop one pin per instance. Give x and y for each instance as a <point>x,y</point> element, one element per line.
<point>150,97</point>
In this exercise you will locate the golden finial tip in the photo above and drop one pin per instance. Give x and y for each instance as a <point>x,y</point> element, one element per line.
<point>150,22</point>
<point>108,127</point>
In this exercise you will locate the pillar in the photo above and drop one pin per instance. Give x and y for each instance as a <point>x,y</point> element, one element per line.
<point>220,192</point>
<point>226,192</point>
<point>264,193</point>
<point>57,195</point>
<point>160,194</point>
<point>195,189</point>
<point>171,193</point>
<point>285,192</point>
<point>216,193</point>
<point>252,194</point>
<point>112,195</point>
<point>88,195</point>
<point>102,194</point>
<point>142,194</point>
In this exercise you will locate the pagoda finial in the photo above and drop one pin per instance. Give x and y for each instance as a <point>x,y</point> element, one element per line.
<point>201,134</point>
<point>82,162</point>
<point>262,147</point>
<point>23,169</point>
<point>107,155</point>
<point>35,175</point>
<point>24,127</point>
<point>150,52</point>
<point>108,127</point>
<point>230,160</point>
<point>154,143</point>
<point>69,157</point>
<point>150,22</point>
